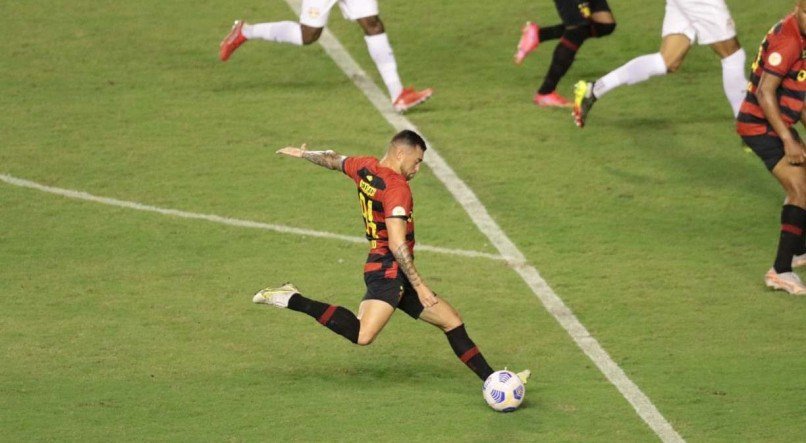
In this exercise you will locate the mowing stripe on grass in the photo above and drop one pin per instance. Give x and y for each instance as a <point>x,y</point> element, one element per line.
<point>478,213</point>
<point>226,220</point>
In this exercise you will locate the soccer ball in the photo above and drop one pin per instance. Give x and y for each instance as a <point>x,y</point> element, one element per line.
<point>503,391</point>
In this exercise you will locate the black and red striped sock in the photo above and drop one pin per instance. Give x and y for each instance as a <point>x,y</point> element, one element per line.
<point>339,320</point>
<point>793,219</point>
<point>563,57</point>
<point>468,352</point>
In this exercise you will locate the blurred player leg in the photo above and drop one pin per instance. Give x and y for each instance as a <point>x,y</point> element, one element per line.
<point>280,32</point>
<point>734,82</point>
<point>380,50</point>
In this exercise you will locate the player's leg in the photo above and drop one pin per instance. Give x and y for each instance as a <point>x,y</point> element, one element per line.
<point>313,17</point>
<point>446,318</point>
<point>373,316</point>
<point>793,215</point>
<point>365,12</point>
<point>793,223</point>
<point>336,318</point>
<point>734,82</point>
<point>673,50</point>
<point>715,27</point>
<point>583,20</point>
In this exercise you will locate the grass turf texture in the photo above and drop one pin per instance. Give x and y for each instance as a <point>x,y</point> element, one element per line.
<point>651,223</point>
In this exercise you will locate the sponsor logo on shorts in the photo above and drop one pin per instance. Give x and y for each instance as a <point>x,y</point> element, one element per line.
<point>314,12</point>
<point>584,9</point>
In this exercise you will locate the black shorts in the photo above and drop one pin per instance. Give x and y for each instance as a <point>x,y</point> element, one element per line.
<point>577,13</point>
<point>769,148</point>
<point>397,291</point>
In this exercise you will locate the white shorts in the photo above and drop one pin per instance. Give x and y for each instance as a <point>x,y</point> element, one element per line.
<point>702,21</point>
<point>314,13</point>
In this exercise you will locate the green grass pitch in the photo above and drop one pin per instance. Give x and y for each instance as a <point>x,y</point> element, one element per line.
<point>652,224</point>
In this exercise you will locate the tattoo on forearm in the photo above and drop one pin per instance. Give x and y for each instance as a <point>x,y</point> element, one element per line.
<point>406,262</point>
<point>327,159</point>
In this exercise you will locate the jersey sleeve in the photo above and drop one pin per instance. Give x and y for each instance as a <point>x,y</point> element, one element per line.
<point>351,165</point>
<point>397,202</point>
<point>782,52</point>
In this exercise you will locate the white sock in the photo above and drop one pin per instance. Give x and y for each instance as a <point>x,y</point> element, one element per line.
<point>283,32</point>
<point>381,52</point>
<point>733,80</point>
<point>634,71</point>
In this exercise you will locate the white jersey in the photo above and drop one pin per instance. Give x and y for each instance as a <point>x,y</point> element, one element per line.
<point>315,13</point>
<point>702,21</point>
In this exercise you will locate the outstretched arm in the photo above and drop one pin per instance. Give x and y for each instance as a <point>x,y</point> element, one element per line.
<point>396,228</point>
<point>326,159</point>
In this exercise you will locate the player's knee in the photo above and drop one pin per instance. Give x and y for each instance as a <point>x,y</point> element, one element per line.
<point>602,29</point>
<point>365,338</point>
<point>310,35</point>
<point>796,194</point>
<point>452,320</point>
<point>576,36</point>
<point>372,25</point>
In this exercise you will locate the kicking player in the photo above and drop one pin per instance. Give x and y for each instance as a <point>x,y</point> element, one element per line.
<point>580,20</point>
<point>312,20</point>
<point>391,278</point>
<point>707,22</point>
<point>774,103</point>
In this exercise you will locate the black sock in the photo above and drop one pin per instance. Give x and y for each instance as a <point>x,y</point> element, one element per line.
<point>339,320</point>
<point>550,32</point>
<point>563,57</point>
<point>468,352</point>
<point>793,219</point>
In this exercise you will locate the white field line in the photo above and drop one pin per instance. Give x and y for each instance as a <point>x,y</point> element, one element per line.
<point>225,220</point>
<point>478,213</point>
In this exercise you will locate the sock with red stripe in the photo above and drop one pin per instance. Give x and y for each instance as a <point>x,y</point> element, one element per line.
<point>563,57</point>
<point>339,320</point>
<point>793,219</point>
<point>468,352</point>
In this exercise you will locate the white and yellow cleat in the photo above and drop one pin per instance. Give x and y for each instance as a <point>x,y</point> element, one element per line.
<point>583,102</point>
<point>524,375</point>
<point>785,281</point>
<point>276,296</point>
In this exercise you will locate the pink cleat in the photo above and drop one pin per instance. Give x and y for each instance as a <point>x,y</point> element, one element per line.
<point>530,40</point>
<point>231,42</point>
<point>552,99</point>
<point>785,281</point>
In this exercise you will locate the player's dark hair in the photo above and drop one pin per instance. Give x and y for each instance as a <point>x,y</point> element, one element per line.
<point>409,138</point>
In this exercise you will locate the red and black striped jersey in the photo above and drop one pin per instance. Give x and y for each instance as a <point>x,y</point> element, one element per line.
<point>383,193</point>
<point>781,54</point>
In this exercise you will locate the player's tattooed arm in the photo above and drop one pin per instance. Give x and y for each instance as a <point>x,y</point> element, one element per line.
<point>326,159</point>
<point>396,228</point>
<point>406,263</point>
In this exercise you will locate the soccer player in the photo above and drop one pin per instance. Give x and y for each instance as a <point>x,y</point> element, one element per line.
<point>774,103</point>
<point>580,21</point>
<point>391,278</point>
<point>312,20</point>
<point>686,21</point>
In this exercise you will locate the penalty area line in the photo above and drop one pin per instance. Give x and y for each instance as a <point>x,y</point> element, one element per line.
<point>642,405</point>
<point>283,229</point>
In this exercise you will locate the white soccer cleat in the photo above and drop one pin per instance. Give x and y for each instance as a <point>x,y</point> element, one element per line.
<point>785,281</point>
<point>276,296</point>
<point>799,260</point>
<point>524,375</point>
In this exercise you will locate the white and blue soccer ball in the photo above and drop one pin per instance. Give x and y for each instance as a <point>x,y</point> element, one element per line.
<point>503,391</point>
